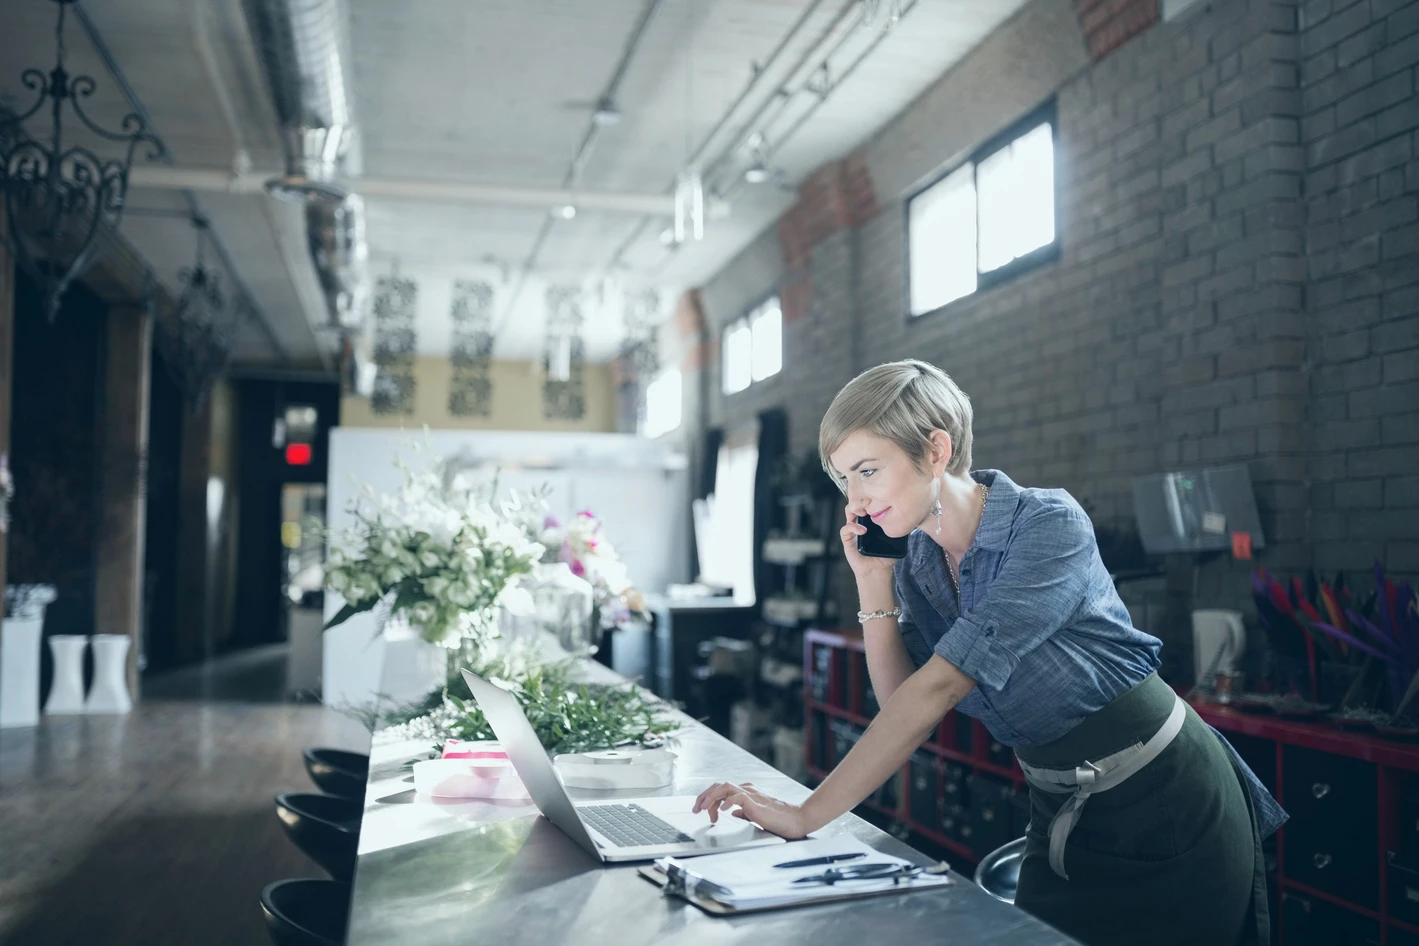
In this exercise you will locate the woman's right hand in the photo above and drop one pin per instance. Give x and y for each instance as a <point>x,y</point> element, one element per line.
<point>864,567</point>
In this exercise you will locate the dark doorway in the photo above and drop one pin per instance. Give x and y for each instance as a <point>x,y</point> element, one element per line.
<point>273,416</point>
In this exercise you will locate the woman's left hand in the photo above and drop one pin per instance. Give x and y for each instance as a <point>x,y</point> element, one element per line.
<point>775,816</point>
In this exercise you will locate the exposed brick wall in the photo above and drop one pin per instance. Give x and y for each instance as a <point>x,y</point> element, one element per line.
<point>1238,279</point>
<point>835,197</point>
<point>1108,24</point>
<point>1360,129</point>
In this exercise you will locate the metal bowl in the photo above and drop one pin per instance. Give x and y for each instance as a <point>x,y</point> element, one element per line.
<point>999,871</point>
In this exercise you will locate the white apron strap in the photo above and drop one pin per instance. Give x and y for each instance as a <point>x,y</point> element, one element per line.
<point>1094,777</point>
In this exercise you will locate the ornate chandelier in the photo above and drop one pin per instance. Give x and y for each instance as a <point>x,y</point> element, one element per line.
<point>196,338</point>
<point>57,193</point>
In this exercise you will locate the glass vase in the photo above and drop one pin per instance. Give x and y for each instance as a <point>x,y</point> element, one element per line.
<point>469,650</point>
<point>562,604</point>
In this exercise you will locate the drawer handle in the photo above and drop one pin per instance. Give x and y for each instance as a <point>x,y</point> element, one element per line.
<point>1320,790</point>
<point>1322,861</point>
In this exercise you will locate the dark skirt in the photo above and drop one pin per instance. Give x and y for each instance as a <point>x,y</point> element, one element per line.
<point>1169,857</point>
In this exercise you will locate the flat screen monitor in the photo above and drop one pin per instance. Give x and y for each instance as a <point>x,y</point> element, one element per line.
<point>1195,510</point>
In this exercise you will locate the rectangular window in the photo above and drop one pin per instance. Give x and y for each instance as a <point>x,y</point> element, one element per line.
<point>662,404</point>
<point>985,221</point>
<point>738,356</point>
<point>752,347</point>
<point>767,330</point>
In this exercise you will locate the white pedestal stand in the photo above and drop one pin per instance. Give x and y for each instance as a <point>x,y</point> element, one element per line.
<point>19,671</point>
<point>109,694</point>
<point>66,692</point>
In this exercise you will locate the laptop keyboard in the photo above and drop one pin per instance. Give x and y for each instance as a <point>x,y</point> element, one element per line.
<point>630,825</point>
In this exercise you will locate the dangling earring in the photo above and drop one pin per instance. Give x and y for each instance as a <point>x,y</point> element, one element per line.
<point>936,505</point>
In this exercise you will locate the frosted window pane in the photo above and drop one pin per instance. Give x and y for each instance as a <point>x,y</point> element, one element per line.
<point>737,366</point>
<point>768,342</point>
<point>1016,198</point>
<point>941,237</point>
<point>663,404</point>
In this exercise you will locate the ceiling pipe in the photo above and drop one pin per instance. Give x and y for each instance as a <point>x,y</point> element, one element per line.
<point>201,12</point>
<point>542,199</point>
<point>302,46</point>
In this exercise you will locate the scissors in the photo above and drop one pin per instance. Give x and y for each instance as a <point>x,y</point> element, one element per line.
<point>880,871</point>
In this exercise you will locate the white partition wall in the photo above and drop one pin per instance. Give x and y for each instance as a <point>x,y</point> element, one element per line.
<point>637,487</point>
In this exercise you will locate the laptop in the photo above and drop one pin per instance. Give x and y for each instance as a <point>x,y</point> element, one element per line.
<point>623,829</point>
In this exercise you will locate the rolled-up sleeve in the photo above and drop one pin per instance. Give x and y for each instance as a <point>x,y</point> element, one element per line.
<point>1040,585</point>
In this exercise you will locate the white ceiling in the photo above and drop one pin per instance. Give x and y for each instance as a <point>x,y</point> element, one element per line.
<point>500,93</point>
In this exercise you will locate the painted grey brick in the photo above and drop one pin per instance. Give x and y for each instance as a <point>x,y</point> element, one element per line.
<point>1403,429</point>
<point>1398,56</point>
<point>1381,95</point>
<point>1402,366</point>
<point>1384,400</point>
<point>1346,435</point>
<point>1380,461</point>
<point>1357,47</point>
<point>1401,491</point>
<point>1331,30</point>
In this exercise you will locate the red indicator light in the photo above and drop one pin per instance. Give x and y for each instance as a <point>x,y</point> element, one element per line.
<point>298,454</point>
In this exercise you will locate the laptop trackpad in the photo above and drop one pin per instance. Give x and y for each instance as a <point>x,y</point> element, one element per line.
<point>730,831</point>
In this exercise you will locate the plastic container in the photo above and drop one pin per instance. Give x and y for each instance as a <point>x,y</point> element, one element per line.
<point>468,778</point>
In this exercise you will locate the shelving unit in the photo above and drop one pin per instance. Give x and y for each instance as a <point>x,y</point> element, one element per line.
<point>1345,869</point>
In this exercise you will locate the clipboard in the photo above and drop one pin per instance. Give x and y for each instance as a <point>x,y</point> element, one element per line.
<point>655,875</point>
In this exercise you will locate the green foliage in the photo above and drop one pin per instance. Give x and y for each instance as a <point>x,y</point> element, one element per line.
<point>572,717</point>
<point>567,716</point>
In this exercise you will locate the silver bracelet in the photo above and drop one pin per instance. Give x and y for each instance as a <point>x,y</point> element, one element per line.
<point>864,616</point>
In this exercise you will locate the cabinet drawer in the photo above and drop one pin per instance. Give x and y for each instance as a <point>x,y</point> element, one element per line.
<point>1331,839</point>
<point>925,794</point>
<point>1329,792</point>
<point>1403,889</point>
<point>1311,922</point>
<point>1346,867</point>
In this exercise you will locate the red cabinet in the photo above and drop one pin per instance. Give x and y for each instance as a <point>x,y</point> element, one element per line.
<point>1345,868</point>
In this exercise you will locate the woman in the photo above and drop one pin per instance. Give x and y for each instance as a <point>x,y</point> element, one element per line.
<point>1145,825</point>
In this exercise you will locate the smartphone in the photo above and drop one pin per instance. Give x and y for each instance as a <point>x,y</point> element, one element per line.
<point>878,544</point>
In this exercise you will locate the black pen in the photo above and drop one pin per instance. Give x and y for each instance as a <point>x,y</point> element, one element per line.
<point>826,859</point>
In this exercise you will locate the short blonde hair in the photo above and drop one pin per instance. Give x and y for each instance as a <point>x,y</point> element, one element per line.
<point>901,401</point>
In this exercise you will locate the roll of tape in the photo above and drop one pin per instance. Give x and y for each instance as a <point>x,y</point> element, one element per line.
<point>610,757</point>
<point>616,769</point>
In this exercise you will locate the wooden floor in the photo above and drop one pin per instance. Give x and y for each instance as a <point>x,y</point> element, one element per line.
<point>158,828</point>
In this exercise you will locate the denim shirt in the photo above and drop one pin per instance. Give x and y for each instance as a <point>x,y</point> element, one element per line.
<point>1039,625</point>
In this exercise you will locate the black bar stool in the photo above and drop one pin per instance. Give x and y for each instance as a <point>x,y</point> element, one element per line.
<point>325,827</point>
<point>999,871</point>
<point>306,912</point>
<point>337,772</point>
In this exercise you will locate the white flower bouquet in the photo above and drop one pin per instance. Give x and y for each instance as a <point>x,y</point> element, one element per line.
<point>590,555</point>
<point>448,562</point>
<point>28,602</point>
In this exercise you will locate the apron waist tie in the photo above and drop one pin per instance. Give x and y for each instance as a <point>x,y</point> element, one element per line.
<point>1094,777</point>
